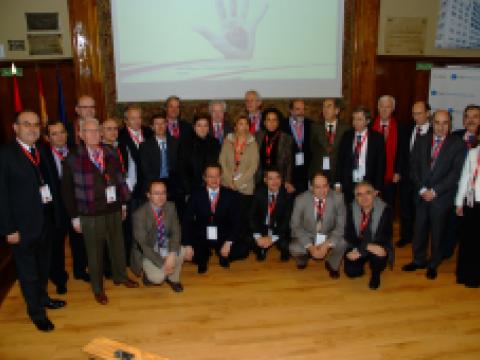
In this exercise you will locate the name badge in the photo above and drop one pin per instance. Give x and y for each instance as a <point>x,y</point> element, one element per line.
<point>45,194</point>
<point>212,233</point>
<point>299,159</point>
<point>320,239</point>
<point>111,194</point>
<point>237,176</point>
<point>326,163</point>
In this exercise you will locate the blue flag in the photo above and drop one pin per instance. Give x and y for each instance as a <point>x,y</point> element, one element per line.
<point>62,114</point>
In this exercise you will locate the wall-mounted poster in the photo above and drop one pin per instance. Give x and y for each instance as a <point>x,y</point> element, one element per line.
<point>405,35</point>
<point>45,44</point>
<point>42,21</point>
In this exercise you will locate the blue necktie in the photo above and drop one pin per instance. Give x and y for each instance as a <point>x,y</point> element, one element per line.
<point>164,161</point>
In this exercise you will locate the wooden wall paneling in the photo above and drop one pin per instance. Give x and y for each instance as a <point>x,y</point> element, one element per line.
<point>87,52</point>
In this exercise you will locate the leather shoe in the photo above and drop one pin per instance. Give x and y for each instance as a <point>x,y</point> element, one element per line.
<point>431,273</point>
<point>129,283</point>
<point>284,256</point>
<point>101,298</point>
<point>374,282</point>
<point>402,243</point>
<point>44,325</point>
<point>85,277</point>
<point>261,254</point>
<point>334,274</point>
<point>53,304</point>
<point>224,262</point>
<point>176,286</point>
<point>202,268</point>
<point>61,289</point>
<point>412,267</point>
<point>301,261</point>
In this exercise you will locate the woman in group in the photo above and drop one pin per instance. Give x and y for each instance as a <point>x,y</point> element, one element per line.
<point>467,205</point>
<point>239,162</point>
<point>275,148</point>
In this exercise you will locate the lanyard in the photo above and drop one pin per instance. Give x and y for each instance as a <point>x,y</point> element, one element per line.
<point>136,139</point>
<point>330,134</point>
<point>174,129</point>
<point>269,145</point>
<point>35,162</point>
<point>365,221</point>
<point>359,145</point>
<point>272,204</point>
<point>298,132</point>
<point>320,208</point>
<point>158,219</point>
<point>254,119</point>
<point>475,173</point>
<point>122,162</point>
<point>218,130</point>
<point>239,147</point>
<point>57,153</point>
<point>213,203</point>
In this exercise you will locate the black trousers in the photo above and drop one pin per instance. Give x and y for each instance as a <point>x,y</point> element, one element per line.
<point>203,250</point>
<point>407,209</point>
<point>389,195</point>
<point>356,268</point>
<point>79,254</point>
<point>58,275</point>
<point>468,266</point>
<point>32,260</point>
<point>281,244</point>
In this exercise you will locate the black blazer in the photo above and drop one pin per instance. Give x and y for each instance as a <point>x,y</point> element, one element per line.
<point>198,216</point>
<point>151,159</point>
<point>461,133</point>
<point>443,177</point>
<point>185,129</point>
<point>193,155</point>
<point>21,204</point>
<point>125,141</point>
<point>280,216</point>
<point>375,162</point>
<point>227,129</point>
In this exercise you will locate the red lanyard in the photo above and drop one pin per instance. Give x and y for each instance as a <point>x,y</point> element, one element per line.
<point>36,161</point>
<point>272,204</point>
<point>253,123</point>
<point>98,160</point>
<point>239,147</point>
<point>57,153</point>
<point>359,145</point>
<point>437,149</point>
<point>174,129</point>
<point>120,157</point>
<point>475,173</point>
<point>158,219</point>
<point>330,135</point>
<point>269,145</point>
<point>214,202</point>
<point>137,139</point>
<point>365,221</point>
<point>320,207</point>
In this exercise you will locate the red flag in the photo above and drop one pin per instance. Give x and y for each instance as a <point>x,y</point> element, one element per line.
<point>41,101</point>
<point>17,101</point>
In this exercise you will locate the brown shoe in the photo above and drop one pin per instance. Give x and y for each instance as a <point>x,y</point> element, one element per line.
<point>129,283</point>
<point>101,298</point>
<point>334,274</point>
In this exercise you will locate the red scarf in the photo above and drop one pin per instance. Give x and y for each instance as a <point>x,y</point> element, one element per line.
<point>390,146</point>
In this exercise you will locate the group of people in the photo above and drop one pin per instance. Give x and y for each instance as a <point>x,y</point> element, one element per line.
<point>152,197</point>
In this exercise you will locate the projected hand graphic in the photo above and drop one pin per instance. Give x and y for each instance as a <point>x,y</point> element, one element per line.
<point>236,39</point>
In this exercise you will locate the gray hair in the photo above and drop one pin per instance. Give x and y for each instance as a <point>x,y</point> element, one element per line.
<point>215,102</point>
<point>83,122</point>
<point>386,97</point>
<point>255,92</point>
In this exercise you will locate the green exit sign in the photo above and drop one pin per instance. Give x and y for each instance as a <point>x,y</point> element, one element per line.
<point>7,72</point>
<point>424,66</point>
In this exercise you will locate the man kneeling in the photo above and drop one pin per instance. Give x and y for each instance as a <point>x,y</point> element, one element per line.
<point>318,223</point>
<point>156,228</point>
<point>368,233</point>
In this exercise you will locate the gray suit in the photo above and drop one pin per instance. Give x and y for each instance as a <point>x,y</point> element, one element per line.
<point>304,226</point>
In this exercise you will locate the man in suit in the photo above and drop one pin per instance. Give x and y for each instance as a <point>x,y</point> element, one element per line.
<point>394,137</point>
<point>318,222</point>
<point>368,232</point>
<point>253,106</point>
<point>270,216</point>
<point>179,129</point>
<point>157,230</point>
<point>420,127</point>
<point>361,156</point>
<point>211,222</point>
<point>300,129</point>
<point>159,158</point>
<point>325,139</point>
<point>436,163</point>
<point>29,198</point>
<point>219,128</point>
<point>469,135</point>
<point>95,195</point>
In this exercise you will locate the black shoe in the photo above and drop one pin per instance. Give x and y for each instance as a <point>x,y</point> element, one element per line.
<point>402,243</point>
<point>261,254</point>
<point>108,275</point>
<point>176,286</point>
<point>334,274</point>
<point>53,304</point>
<point>202,268</point>
<point>431,273</point>
<point>44,325</point>
<point>147,282</point>
<point>374,282</point>
<point>412,267</point>
<point>472,285</point>
<point>301,261</point>
<point>284,256</point>
<point>224,262</point>
<point>61,289</point>
<point>85,277</point>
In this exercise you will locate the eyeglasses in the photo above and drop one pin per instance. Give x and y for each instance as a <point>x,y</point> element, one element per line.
<point>30,125</point>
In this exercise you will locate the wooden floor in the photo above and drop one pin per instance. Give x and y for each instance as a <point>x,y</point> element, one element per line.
<point>259,311</point>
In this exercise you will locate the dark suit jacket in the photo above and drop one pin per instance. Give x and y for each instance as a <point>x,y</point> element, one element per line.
<point>198,216</point>
<point>21,204</point>
<point>461,133</point>
<point>375,162</point>
<point>443,177</point>
<point>227,129</point>
<point>125,141</point>
<point>284,156</point>
<point>320,145</point>
<point>300,173</point>
<point>280,218</point>
<point>193,155</point>
<point>151,159</point>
